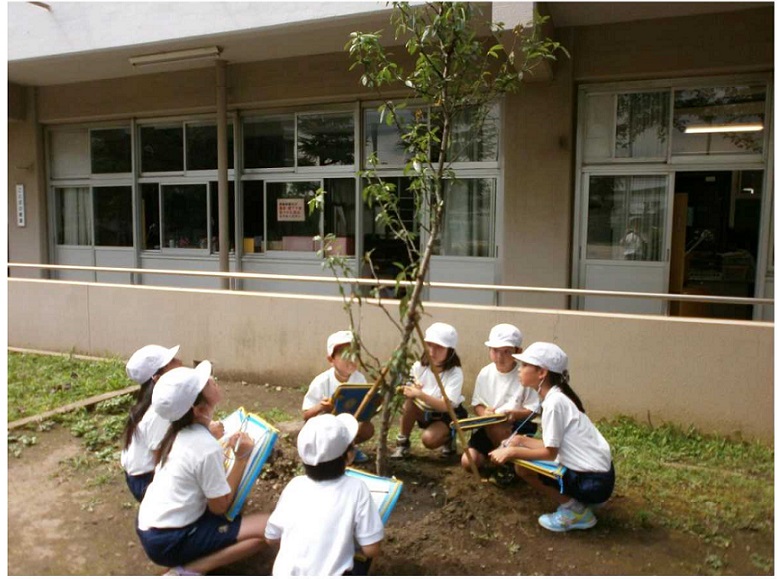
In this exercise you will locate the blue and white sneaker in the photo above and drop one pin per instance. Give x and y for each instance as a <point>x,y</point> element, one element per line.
<point>360,457</point>
<point>564,520</point>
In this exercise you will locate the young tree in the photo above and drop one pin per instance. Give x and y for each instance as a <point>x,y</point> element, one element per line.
<point>458,69</point>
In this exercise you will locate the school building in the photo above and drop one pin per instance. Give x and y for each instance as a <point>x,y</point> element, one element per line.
<point>641,163</point>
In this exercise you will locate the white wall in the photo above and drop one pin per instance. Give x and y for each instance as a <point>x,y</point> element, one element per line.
<point>714,374</point>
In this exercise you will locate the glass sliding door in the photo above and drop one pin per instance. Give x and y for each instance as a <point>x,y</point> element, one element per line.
<point>625,247</point>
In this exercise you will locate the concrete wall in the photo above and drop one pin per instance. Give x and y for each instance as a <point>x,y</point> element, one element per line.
<point>717,375</point>
<point>26,167</point>
<point>705,44</point>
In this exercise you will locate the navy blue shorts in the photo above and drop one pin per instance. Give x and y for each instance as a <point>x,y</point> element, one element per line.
<point>481,442</point>
<point>429,417</point>
<point>139,483</point>
<point>590,488</point>
<point>173,547</point>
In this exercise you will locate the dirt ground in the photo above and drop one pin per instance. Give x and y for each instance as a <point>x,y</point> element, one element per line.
<point>65,521</point>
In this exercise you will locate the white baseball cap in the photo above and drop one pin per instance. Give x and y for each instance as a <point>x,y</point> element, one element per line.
<point>177,390</point>
<point>441,334</point>
<point>326,437</point>
<point>337,339</point>
<point>144,363</point>
<point>503,335</point>
<point>546,355</point>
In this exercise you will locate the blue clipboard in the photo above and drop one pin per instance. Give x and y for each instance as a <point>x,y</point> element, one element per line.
<point>547,468</point>
<point>385,491</point>
<point>264,435</point>
<point>348,397</point>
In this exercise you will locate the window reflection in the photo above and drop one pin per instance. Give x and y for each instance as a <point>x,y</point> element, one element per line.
<point>467,228</point>
<point>290,226</point>
<point>715,108</point>
<point>113,216</point>
<point>269,143</point>
<point>185,214</point>
<point>324,140</point>
<point>626,218</point>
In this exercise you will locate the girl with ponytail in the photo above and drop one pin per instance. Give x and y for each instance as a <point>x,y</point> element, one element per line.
<point>180,521</point>
<point>144,429</point>
<point>569,438</point>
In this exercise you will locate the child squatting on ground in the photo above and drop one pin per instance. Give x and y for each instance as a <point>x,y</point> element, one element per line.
<point>424,404</point>
<point>180,521</point>
<point>145,429</point>
<point>569,437</point>
<point>318,399</point>
<point>321,515</point>
<point>499,391</point>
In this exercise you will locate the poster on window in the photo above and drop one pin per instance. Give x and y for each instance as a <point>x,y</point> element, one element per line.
<point>291,209</point>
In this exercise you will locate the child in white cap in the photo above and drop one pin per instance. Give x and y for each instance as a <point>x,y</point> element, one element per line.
<point>569,438</point>
<point>424,405</point>
<point>343,369</point>
<point>144,429</point>
<point>322,514</point>
<point>499,391</point>
<point>180,521</point>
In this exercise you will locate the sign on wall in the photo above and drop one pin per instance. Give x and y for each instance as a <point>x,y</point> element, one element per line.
<point>290,209</point>
<point>20,220</point>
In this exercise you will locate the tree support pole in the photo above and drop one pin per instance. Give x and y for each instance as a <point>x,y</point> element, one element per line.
<point>449,407</point>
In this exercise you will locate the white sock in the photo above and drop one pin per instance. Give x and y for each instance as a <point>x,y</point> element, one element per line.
<point>575,506</point>
<point>401,439</point>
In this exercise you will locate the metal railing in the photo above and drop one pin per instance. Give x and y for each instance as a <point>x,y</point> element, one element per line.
<point>387,283</point>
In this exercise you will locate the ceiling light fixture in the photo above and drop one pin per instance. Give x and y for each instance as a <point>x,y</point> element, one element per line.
<point>732,128</point>
<point>206,53</point>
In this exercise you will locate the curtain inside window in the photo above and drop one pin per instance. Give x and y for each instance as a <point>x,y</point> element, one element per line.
<point>75,219</point>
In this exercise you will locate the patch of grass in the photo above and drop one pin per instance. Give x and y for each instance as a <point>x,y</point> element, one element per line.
<point>706,485</point>
<point>37,383</point>
<point>276,415</point>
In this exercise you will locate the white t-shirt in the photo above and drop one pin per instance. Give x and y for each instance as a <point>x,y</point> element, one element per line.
<point>138,458</point>
<point>192,474</point>
<point>452,380</point>
<point>503,392</point>
<point>324,386</point>
<point>318,522</point>
<point>581,446</point>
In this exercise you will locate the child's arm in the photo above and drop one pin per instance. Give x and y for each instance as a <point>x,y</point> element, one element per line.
<point>524,448</point>
<point>219,505</point>
<point>415,391</point>
<point>323,407</point>
<point>371,551</point>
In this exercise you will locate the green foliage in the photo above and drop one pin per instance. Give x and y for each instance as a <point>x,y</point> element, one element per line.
<point>457,74</point>
<point>694,482</point>
<point>37,383</point>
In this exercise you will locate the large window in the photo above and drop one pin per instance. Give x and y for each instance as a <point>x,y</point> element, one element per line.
<point>185,216</point>
<point>74,217</point>
<point>467,229</point>
<point>99,216</point>
<point>325,140</point>
<point>162,148</point>
<point>719,120</point>
<point>202,149</point>
<point>113,216</point>
<point>622,126</point>
<point>626,217</point>
<point>111,150</point>
<point>269,143</point>
<point>290,226</point>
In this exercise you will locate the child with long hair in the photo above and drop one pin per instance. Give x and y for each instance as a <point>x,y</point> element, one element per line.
<point>322,515</point>
<point>145,429</point>
<point>424,405</point>
<point>181,521</point>
<point>569,438</point>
